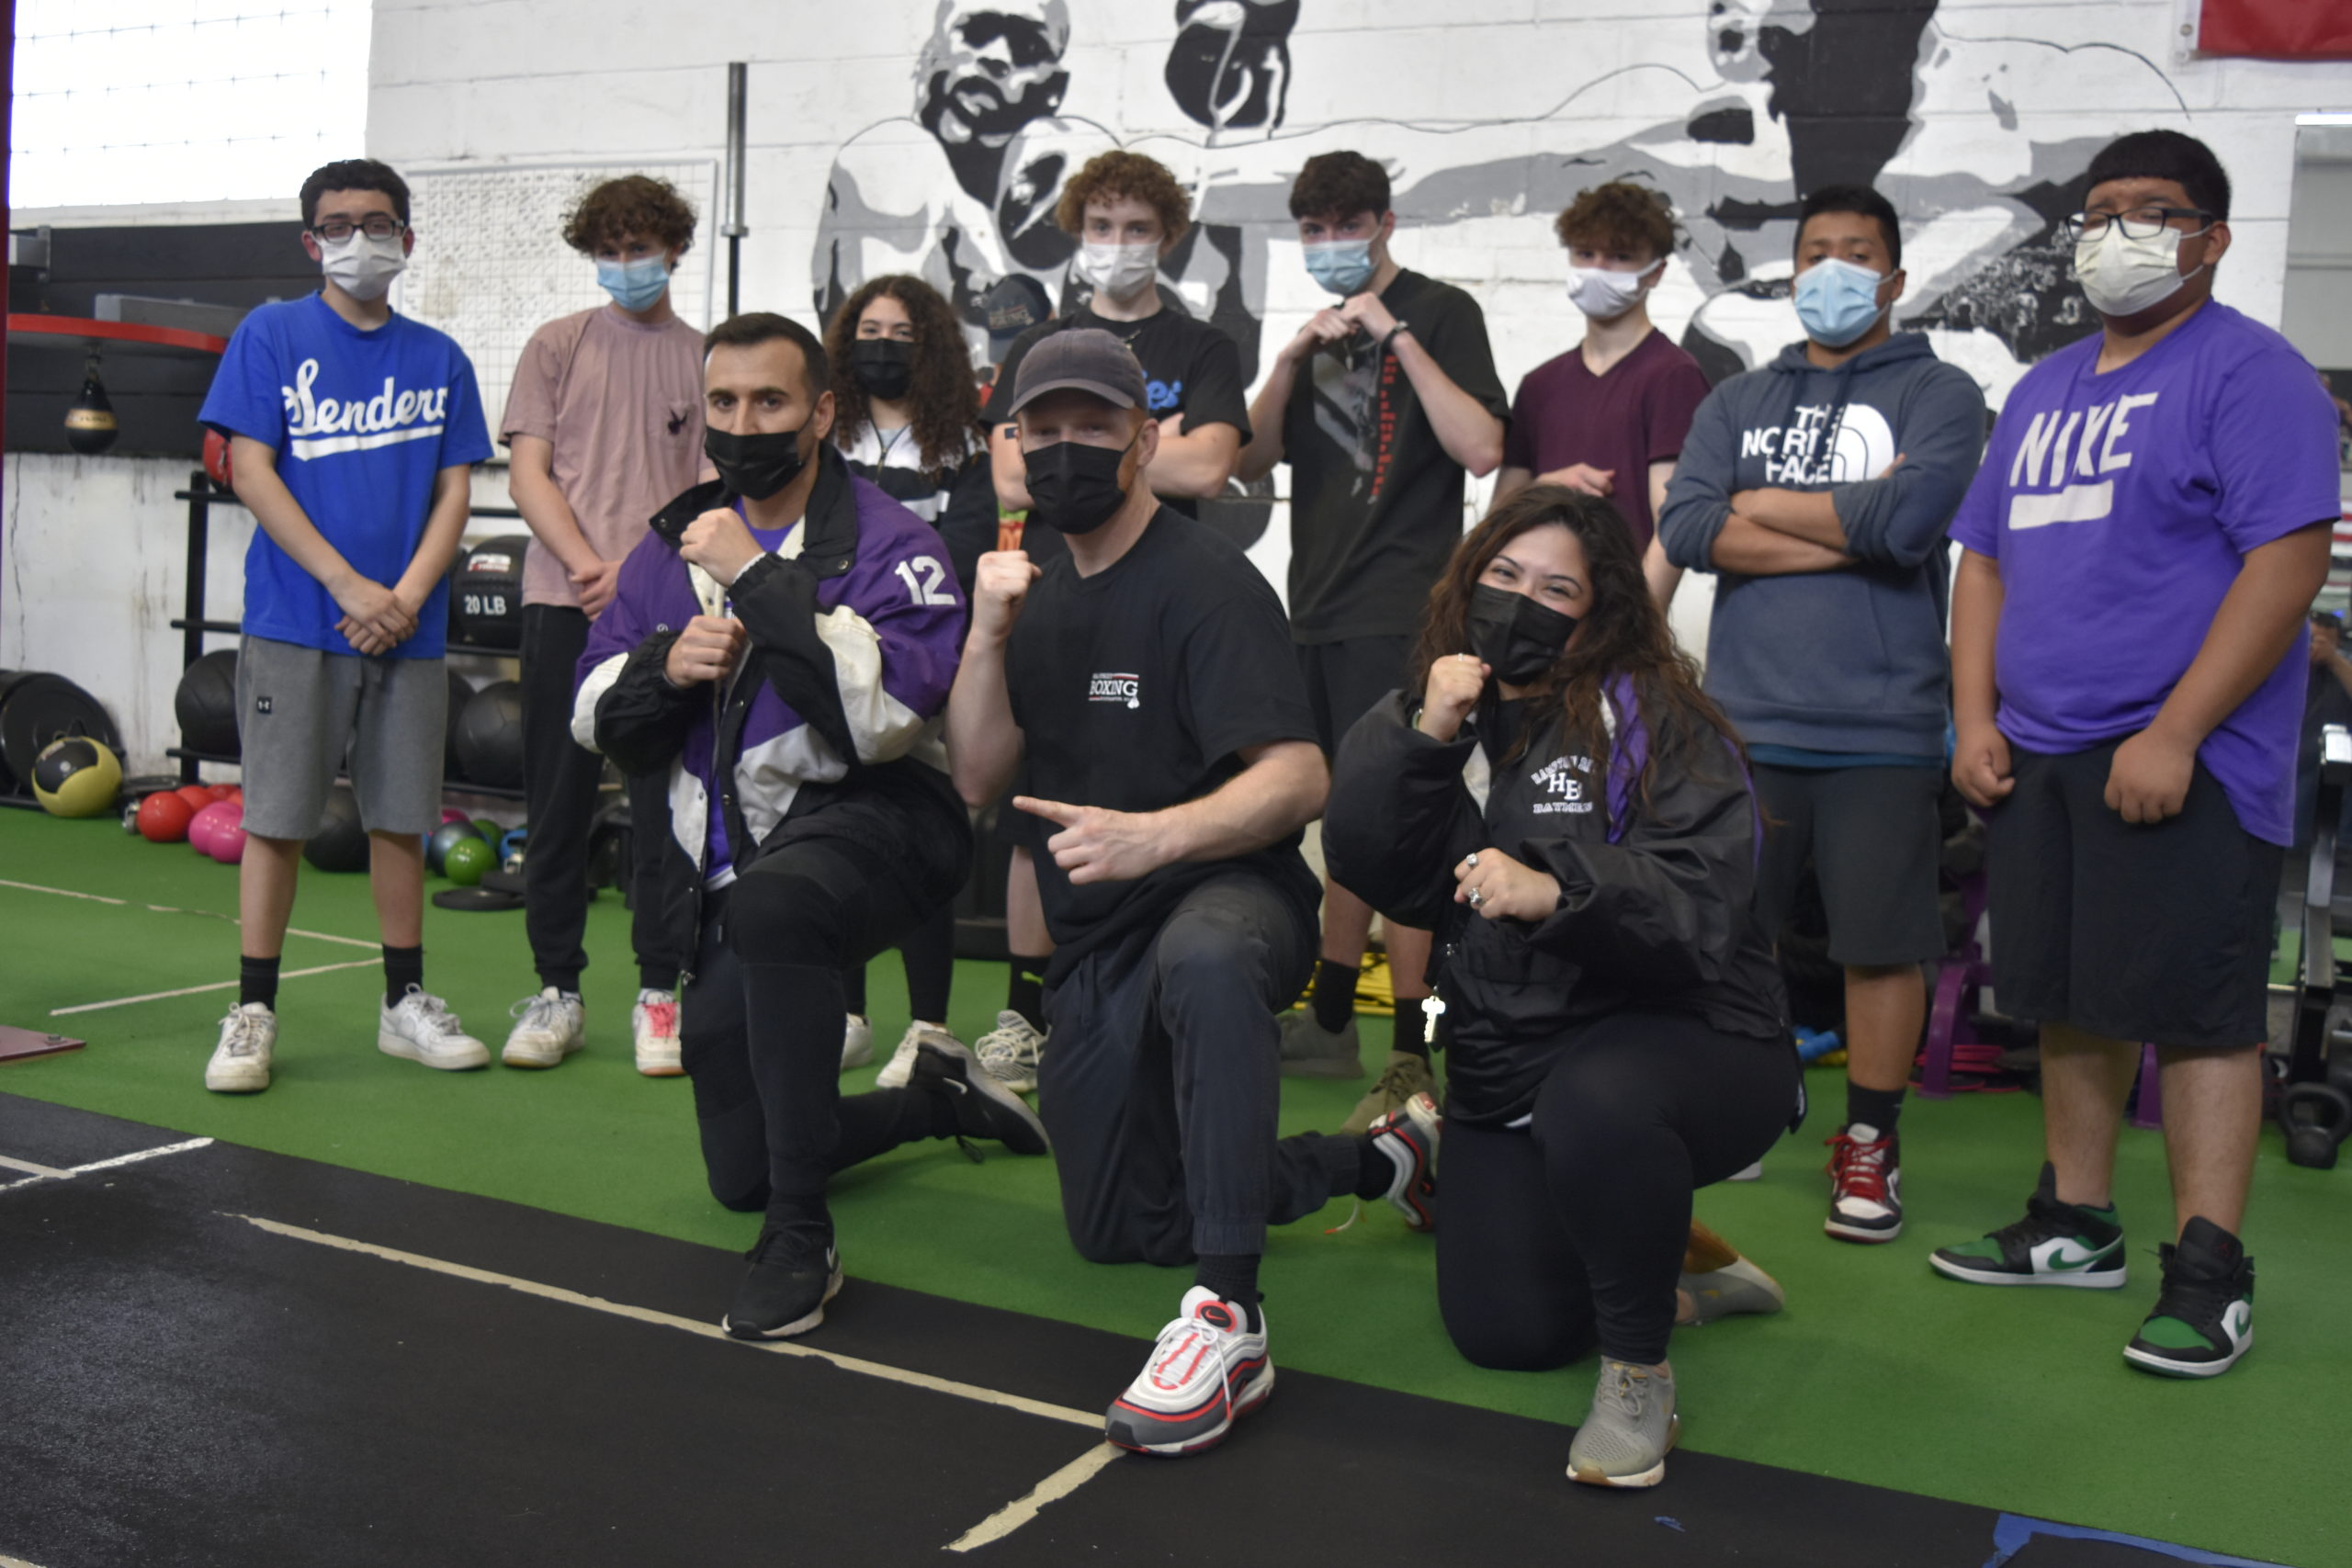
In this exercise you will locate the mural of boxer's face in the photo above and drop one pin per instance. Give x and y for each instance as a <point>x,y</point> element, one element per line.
<point>992,67</point>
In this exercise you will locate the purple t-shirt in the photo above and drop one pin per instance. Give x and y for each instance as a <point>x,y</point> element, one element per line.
<point>1635,415</point>
<point>2120,508</point>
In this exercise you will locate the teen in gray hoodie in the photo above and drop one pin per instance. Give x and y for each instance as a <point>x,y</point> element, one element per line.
<point>1818,490</point>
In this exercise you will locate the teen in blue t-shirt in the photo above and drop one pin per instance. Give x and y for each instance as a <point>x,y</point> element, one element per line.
<point>351,434</point>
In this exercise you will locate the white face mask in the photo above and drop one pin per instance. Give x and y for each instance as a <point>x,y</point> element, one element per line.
<point>2122,277</point>
<point>1122,272</point>
<point>362,268</point>
<point>1604,295</point>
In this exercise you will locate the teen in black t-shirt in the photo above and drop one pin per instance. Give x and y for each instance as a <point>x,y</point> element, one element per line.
<point>1143,689</point>
<point>1381,405</point>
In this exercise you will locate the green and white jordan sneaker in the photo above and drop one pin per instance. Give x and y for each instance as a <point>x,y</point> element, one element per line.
<point>2204,1316</point>
<point>2055,1244</point>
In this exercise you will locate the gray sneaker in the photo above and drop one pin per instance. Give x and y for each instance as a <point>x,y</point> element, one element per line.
<point>1407,1075</point>
<point>1311,1051</point>
<point>1720,1283</point>
<point>1624,1439</point>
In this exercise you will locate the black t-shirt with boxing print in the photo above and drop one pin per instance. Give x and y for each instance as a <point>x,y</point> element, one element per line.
<point>1136,690</point>
<point>1375,504</point>
<point>1189,367</point>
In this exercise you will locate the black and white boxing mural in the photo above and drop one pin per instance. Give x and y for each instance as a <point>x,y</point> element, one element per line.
<point>1731,109</point>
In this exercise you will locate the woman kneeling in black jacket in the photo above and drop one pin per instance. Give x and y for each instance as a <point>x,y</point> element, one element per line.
<point>1555,797</point>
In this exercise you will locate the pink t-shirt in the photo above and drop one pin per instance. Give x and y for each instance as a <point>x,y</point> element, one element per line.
<point>622,405</point>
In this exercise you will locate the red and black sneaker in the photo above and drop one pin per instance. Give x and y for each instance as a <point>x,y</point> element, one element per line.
<point>1865,1185</point>
<point>1408,1136</point>
<point>1207,1369</point>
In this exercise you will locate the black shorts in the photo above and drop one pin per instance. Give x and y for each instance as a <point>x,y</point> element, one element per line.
<point>1344,679</point>
<point>2157,933</point>
<point>1875,840</point>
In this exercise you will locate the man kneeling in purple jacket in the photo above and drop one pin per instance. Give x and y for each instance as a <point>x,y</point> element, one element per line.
<point>781,646</point>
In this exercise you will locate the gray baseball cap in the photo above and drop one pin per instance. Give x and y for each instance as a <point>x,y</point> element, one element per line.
<point>1085,360</point>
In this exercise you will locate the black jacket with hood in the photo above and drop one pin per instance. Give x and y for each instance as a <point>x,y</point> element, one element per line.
<point>1654,892</point>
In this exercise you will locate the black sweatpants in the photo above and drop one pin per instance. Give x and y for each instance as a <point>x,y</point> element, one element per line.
<point>929,954</point>
<point>1570,1231</point>
<point>762,1028</point>
<point>559,796</point>
<point>1162,1087</point>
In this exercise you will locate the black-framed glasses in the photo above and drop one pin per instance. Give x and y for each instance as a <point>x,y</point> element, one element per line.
<point>376,226</point>
<point>2140,223</point>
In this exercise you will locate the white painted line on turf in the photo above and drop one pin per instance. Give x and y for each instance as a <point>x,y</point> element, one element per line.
<point>41,1173</point>
<point>7,1561</point>
<point>213,986</point>
<point>172,909</point>
<point>1053,1489</point>
<point>1087,1418</point>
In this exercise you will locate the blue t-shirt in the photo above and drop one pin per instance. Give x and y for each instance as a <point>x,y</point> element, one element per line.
<point>362,422</point>
<point>2120,507</point>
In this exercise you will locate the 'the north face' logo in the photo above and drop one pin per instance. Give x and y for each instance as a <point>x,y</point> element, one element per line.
<point>1114,687</point>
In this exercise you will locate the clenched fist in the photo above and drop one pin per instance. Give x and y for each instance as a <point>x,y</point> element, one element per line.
<point>708,650</point>
<point>1451,692</point>
<point>1000,587</point>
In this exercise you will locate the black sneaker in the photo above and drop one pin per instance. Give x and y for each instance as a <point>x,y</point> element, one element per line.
<point>2055,1244</point>
<point>2204,1316</point>
<point>795,1270</point>
<point>1865,1185</point>
<point>985,1107</point>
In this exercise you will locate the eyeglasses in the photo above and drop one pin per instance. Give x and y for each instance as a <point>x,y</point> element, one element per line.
<point>2140,223</point>
<point>376,226</point>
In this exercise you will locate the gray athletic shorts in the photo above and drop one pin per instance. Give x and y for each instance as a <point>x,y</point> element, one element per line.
<point>300,711</point>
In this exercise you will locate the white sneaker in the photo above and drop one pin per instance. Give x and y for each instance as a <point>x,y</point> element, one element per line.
<point>857,1043</point>
<point>1748,1173</point>
<point>899,1071</point>
<point>1206,1370</point>
<point>240,1062</point>
<point>422,1028</point>
<point>653,1022</point>
<point>1010,1052</point>
<point>548,1027</point>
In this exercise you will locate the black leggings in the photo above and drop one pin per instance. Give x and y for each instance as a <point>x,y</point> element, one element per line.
<point>1570,1231</point>
<point>762,1035</point>
<point>929,952</point>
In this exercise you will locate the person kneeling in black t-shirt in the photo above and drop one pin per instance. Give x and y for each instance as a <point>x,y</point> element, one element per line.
<point>1143,687</point>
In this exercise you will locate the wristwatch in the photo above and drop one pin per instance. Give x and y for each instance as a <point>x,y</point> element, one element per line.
<point>1399,327</point>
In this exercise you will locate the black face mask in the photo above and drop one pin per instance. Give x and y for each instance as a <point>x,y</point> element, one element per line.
<point>1074,488</point>
<point>1518,637</point>
<point>884,366</point>
<point>756,467</point>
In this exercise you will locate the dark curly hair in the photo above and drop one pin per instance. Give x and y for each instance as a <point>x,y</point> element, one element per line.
<point>633,204</point>
<point>1622,632</point>
<point>1619,216</point>
<point>1338,185</point>
<point>944,395</point>
<point>1108,176</point>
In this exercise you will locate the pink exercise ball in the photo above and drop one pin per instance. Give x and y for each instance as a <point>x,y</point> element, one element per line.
<point>219,831</point>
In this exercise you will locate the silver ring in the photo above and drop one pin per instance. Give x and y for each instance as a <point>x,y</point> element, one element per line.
<point>1477,897</point>
<point>1472,860</point>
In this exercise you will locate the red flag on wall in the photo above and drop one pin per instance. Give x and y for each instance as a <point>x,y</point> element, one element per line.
<point>2284,29</point>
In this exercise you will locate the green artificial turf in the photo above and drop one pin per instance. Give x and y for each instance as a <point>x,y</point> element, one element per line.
<point>1879,1372</point>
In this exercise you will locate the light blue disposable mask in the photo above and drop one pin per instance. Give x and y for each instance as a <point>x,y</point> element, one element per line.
<point>1343,266</point>
<point>1837,301</point>
<point>634,285</point>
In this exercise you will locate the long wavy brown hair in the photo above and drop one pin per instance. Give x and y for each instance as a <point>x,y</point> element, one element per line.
<point>1621,632</point>
<point>944,395</point>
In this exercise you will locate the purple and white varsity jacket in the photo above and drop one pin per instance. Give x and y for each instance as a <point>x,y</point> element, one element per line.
<point>832,726</point>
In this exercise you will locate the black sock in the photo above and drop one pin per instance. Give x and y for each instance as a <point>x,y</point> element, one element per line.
<point>1375,1169</point>
<point>1879,1108</point>
<point>657,977</point>
<point>854,990</point>
<point>403,967</point>
<point>258,982</point>
<point>567,981</point>
<point>1234,1277</point>
<point>1026,994</point>
<point>1335,995</point>
<point>1412,1027</point>
<point>786,1212</point>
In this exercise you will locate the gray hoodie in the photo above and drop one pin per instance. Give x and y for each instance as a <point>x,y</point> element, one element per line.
<point>1854,659</point>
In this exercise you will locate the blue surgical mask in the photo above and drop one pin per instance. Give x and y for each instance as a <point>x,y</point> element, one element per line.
<point>1837,301</point>
<point>1343,266</point>
<point>634,285</point>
